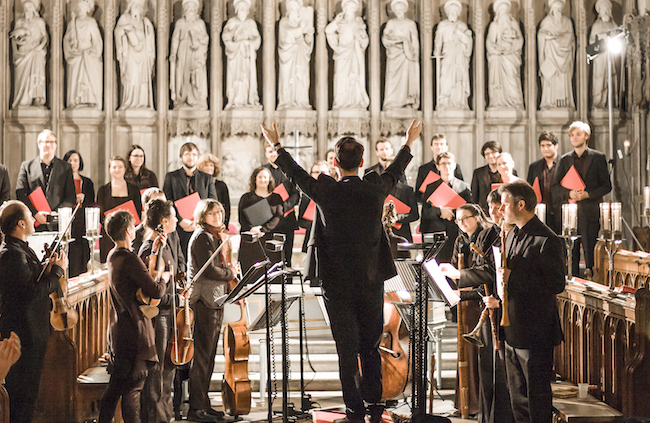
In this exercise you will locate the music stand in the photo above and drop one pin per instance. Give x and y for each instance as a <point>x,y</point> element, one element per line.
<point>233,296</point>
<point>276,313</point>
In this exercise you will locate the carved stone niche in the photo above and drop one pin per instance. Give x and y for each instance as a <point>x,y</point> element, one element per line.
<point>396,122</point>
<point>241,121</point>
<point>184,122</point>
<point>304,121</point>
<point>347,122</point>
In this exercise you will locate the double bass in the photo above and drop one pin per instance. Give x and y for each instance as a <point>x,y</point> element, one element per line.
<point>235,387</point>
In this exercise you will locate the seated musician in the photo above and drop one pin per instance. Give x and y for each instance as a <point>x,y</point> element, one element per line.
<point>208,314</point>
<point>25,305</point>
<point>131,335</point>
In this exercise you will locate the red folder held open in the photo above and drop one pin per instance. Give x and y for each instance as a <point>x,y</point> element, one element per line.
<point>537,189</point>
<point>37,197</point>
<point>400,207</point>
<point>431,178</point>
<point>310,211</point>
<point>282,192</point>
<point>128,206</point>
<point>572,180</point>
<point>187,205</point>
<point>444,196</point>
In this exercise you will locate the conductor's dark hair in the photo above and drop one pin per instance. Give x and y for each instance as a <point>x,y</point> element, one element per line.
<point>349,153</point>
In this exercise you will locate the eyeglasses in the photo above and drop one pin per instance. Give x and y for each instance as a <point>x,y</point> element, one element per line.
<point>463,219</point>
<point>214,213</point>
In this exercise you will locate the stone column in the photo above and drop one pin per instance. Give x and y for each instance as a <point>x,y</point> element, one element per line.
<point>582,68</point>
<point>268,59</point>
<point>164,15</point>
<point>426,48</point>
<point>216,75</point>
<point>374,68</point>
<point>110,88</point>
<point>530,78</point>
<point>57,92</point>
<point>479,9</point>
<point>4,93</point>
<point>321,63</point>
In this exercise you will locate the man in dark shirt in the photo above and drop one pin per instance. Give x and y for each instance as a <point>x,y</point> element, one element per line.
<point>52,174</point>
<point>25,306</point>
<point>483,177</point>
<point>544,171</point>
<point>438,146</point>
<point>592,168</point>
<point>535,263</point>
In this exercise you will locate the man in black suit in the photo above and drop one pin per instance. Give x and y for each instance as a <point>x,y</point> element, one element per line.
<point>52,174</point>
<point>185,181</point>
<point>354,261</point>
<point>535,262</point>
<point>288,224</point>
<point>442,219</point>
<point>438,146</point>
<point>592,168</point>
<point>5,184</point>
<point>402,191</point>
<point>544,171</point>
<point>25,306</point>
<point>484,176</point>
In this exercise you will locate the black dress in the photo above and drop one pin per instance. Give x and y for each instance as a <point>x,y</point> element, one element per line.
<point>250,254</point>
<point>79,250</point>
<point>142,180</point>
<point>224,198</point>
<point>106,201</point>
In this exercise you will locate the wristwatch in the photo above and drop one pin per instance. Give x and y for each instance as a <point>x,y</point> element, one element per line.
<point>277,145</point>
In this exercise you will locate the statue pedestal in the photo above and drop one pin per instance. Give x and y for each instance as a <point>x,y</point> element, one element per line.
<point>182,122</point>
<point>397,121</point>
<point>26,123</point>
<point>303,120</point>
<point>348,122</point>
<point>454,117</point>
<point>136,126</point>
<point>81,129</point>
<point>509,117</point>
<point>556,117</point>
<point>241,121</point>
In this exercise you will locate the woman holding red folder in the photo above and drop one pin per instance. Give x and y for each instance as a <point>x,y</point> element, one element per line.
<point>113,194</point>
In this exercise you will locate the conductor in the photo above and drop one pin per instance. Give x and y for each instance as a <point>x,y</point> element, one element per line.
<point>354,260</point>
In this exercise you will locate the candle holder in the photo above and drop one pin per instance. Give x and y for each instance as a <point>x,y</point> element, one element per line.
<point>540,211</point>
<point>611,234</point>
<point>570,232</point>
<point>64,217</point>
<point>92,234</point>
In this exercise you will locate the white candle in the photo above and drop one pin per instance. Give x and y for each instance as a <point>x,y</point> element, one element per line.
<point>616,217</point>
<point>92,221</point>
<point>65,215</point>
<point>646,200</point>
<point>540,211</point>
<point>605,220</point>
<point>574,216</point>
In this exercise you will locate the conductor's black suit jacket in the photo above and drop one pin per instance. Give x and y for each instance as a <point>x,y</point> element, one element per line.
<point>350,242</point>
<point>60,191</point>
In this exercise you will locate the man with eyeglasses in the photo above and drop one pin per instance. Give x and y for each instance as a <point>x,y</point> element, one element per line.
<point>52,174</point>
<point>185,181</point>
<point>438,146</point>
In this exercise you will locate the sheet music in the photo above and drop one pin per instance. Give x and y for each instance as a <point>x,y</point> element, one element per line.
<point>441,282</point>
<point>498,263</point>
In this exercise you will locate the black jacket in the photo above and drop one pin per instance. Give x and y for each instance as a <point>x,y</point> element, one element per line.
<point>424,170</point>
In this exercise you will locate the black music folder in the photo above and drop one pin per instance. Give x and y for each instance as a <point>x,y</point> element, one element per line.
<point>259,213</point>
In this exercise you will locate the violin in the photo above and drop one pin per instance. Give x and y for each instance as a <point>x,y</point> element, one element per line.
<point>148,305</point>
<point>236,387</point>
<point>180,348</point>
<point>62,316</point>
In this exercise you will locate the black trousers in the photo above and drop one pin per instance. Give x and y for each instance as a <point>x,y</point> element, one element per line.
<point>23,380</point>
<point>207,327</point>
<point>127,389</point>
<point>157,393</point>
<point>356,319</point>
<point>588,231</point>
<point>530,372</point>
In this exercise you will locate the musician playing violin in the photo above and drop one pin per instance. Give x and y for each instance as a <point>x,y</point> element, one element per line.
<point>131,335</point>
<point>25,305</point>
<point>157,404</point>
<point>208,314</point>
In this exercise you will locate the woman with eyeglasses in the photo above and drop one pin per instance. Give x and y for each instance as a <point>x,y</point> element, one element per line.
<point>208,314</point>
<point>137,172</point>
<point>79,250</point>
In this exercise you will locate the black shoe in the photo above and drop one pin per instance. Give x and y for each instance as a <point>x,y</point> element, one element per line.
<point>218,414</point>
<point>348,420</point>
<point>202,416</point>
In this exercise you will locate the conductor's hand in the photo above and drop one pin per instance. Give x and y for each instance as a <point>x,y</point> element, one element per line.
<point>449,271</point>
<point>271,135</point>
<point>413,132</point>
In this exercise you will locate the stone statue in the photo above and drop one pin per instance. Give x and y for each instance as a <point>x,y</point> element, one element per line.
<point>29,41</point>
<point>400,37</point>
<point>188,76</point>
<point>556,49</point>
<point>83,48</point>
<point>599,30</point>
<point>295,44</point>
<point>348,38</point>
<point>503,45</point>
<point>135,45</point>
<point>242,40</point>
<point>452,50</point>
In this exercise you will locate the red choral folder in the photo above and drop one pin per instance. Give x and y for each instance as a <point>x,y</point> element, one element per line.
<point>37,197</point>
<point>142,191</point>
<point>77,186</point>
<point>400,208</point>
<point>128,206</point>
<point>282,192</point>
<point>537,189</point>
<point>572,180</point>
<point>310,211</point>
<point>187,205</point>
<point>431,178</point>
<point>444,196</point>
<point>494,186</point>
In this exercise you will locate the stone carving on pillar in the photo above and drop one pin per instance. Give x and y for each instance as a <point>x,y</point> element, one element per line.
<point>241,40</point>
<point>599,29</point>
<point>556,52</point>
<point>401,39</point>
<point>83,48</point>
<point>29,42</point>
<point>452,51</point>
<point>188,75</point>
<point>295,44</point>
<point>503,45</point>
<point>348,38</point>
<point>135,46</point>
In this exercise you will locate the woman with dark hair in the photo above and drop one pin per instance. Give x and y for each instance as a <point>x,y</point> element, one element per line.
<point>261,186</point>
<point>157,394</point>
<point>136,169</point>
<point>79,250</point>
<point>208,314</point>
<point>118,191</point>
<point>209,163</point>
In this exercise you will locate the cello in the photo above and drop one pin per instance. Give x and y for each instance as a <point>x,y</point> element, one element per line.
<point>235,387</point>
<point>180,348</point>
